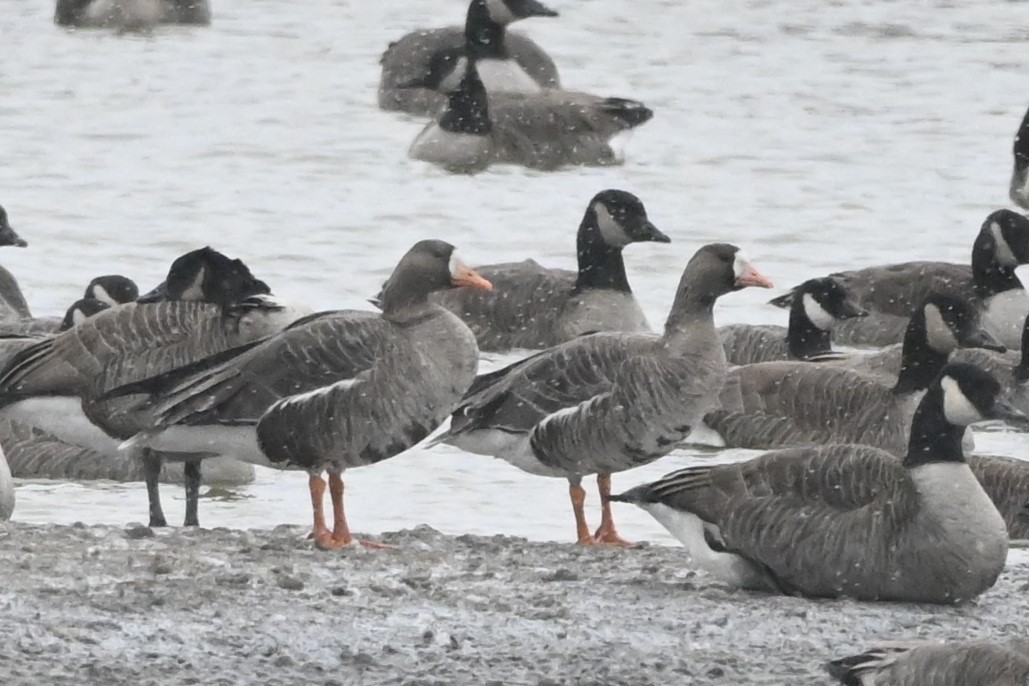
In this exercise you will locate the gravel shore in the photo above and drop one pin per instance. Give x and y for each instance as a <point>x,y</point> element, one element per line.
<point>111,605</point>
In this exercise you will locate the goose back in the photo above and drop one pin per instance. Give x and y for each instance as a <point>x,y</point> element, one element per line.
<point>971,663</point>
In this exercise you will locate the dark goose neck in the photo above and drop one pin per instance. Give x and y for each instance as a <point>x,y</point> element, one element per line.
<point>803,338</point>
<point>600,265</point>
<point>933,438</point>
<point>989,276</point>
<point>467,108</point>
<point>919,363</point>
<point>484,38</point>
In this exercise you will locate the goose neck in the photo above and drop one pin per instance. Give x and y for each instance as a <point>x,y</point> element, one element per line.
<point>601,266</point>
<point>484,37</point>
<point>933,438</point>
<point>468,107</point>
<point>803,338</point>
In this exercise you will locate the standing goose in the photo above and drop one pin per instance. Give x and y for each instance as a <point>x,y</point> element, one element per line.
<point>207,305</point>
<point>130,14</point>
<point>510,60</point>
<point>776,404</point>
<point>850,520</point>
<point>543,130</point>
<point>891,293</point>
<point>608,402</point>
<point>536,307</point>
<point>6,490</point>
<point>921,663</point>
<point>334,391</point>
<point>819,306</point>
<point>1020,176</point>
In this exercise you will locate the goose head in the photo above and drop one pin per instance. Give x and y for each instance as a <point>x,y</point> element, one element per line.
<point>713,271</point>
<point>500,13</point>
<point>1001,246</point>
<point>617,218</point>
<point>112,289</point>
<point>1020,176</point>
<point>429,266</point>
<point>825,303</point>
<point>81,310</point>
<point>8,236</point>
<point>207,275</point>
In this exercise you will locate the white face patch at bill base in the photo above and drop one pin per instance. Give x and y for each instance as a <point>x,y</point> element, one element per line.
<point>816,314</point>
<point>611,230</point>
<point>938,334</point>
<point>957,408</point>
<point>456,265</point>
<point>740,264</point>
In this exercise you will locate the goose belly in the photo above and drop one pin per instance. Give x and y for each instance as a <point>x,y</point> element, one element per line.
<point>457,152</point>
<point>505,75</point>
<point>1004,316</point>
<point>509,447</point>
<point>61,417</point>
<point>239,442</point>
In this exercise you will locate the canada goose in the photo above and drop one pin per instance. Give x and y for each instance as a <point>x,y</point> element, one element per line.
<point>1020,175</point>
<point>334,391</point>
<point>207,305</point>
<point>102,292</point>
<point>776,404</point>
<point>6,490</point>
<point>820,304</point>
<point>850,520</point>
<point>543,130</point>
<point>8,236</point>
<point>510,60</point>
<point>1006,481</point>
<point>892,292</point>
<point>32,453</point>
<point>921,663</point>
<point>608,402</point>
<point>536,307</point>
<point>130,14</point>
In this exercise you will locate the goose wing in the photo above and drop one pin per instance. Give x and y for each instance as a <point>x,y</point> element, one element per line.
<point>921,663</point>
<point>1006,481</point>
<point>749,344</point>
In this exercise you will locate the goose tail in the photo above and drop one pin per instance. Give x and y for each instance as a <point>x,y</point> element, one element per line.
<point>18,377</point>
<point>631,113</point>
<point>852,670</point>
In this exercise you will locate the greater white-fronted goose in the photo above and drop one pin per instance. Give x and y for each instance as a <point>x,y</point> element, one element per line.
<point>532,306</point>
<point>608,402</point>
<point>6,490</point>
<point>208,304</point>
<point>819,305</point>
<point>509,61</point>
<point>1020,175</point>
<point>545,130</point>
<point>891,293</point>
<point>130,14</point>
<point>850,520</point>
<point>777,404</point>
<point>334,391</point>
<point>924,663</point>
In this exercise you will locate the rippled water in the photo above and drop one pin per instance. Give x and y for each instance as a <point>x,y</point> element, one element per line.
<point>816,135</point>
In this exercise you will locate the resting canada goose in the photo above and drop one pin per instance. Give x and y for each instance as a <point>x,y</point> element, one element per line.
<point>35,454</point>
<point>207,305</point>
<point>892,292</point>
<point>543,130</point>
<point>608,402</point>
<point>820,304</point>
<point>535,307</point>
<point>1020,175</point>
<point>6,490</point>
<point>102,292</point>
<point>334,391</point>
<point>776,404</point>
<point>130,14</point>
<point>921,663</point>
<point>850,520</point>
<point>510,60</point>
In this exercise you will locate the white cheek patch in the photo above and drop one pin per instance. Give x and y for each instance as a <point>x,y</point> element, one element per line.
<point>740,264</point>
<point>452,81</point>
<point>100,293</point>
<point>78,316</point>
<point>500,12</point>
<point>816,314</point>
<point>196,289</point>
<point>957,408</point>
<point>610,230</point>
<point>1005,257</point>
<point>938,334</point>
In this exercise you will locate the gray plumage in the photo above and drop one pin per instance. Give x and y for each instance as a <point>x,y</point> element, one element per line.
<point>130,14</point>
<point>1006,481</point>
<point>7,498</point>
<point>850,520</point>
<point>923,663</point>
<point>35,454</point>
<point>892,292</point>
<point>101,293</point>
<point>535,307</point>
<point>1019,188</point>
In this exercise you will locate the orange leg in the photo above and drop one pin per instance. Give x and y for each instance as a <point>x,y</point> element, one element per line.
<point>317,485</point>
<point>340,536</point>
<point>578,496</point>
<point>607,534</point>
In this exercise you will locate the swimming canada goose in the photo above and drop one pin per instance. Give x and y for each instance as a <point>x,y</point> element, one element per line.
<point>207,305</point>
<point>850,520</point>
<point>6,490</point>
<point>820,304</point>
<point>510,61</point>
<point>532,306</point>
<point>543,130</point>
<point>921,663</point>
<point>608,402</point>
<point>1020,175</point>
<point>334,391</point>
<point>776,404</point>
<point>892,292</point>
<point>35,454</point>
<point>130,14</point>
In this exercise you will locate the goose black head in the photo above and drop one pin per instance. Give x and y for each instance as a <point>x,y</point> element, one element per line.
<point>8,236</point>
<point>113,289</point>
<point>209,276</point>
